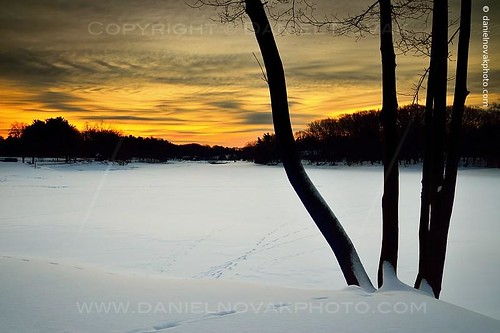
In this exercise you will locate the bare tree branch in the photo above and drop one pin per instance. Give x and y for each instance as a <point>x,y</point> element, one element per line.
<point>264,76</point>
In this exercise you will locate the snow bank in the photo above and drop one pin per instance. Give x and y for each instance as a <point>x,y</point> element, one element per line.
<point>43,296</point>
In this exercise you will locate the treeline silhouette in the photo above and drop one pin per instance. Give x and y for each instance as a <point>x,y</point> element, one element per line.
<point>57,138</point>
<point>351,139</point>
<point>356,138</point>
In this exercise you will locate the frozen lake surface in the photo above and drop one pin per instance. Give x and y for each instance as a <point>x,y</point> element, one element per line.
<point>239,221</point>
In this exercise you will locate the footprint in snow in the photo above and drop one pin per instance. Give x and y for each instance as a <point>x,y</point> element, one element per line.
<point>167,325</point>
<point>278,306</point>
<point>158,327</point>
<point>221,313</point>
<point>173,324</point>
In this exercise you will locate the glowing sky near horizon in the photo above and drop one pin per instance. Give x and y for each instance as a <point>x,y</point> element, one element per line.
<point>160,68</point>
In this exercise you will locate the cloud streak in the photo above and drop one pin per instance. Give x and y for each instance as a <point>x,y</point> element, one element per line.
<point>194,80</point>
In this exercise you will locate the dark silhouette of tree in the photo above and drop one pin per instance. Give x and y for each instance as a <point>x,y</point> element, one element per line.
<point>33,138</point>
<point>334,139</point>
<point>440,157</point>
<point>16,130</point>
<point>13,144</point>
<point>150,149</point>
<point>102,143</point>
<point>411,131</point>
<point>481,134</point>
<point>62,138</point>
<point>320,212</point>
<point>435,109</point>
<point>352,139</point>
<point>264,150</point>
<point>54,137</point>
<point>390,198</point>
<point>440,164</point>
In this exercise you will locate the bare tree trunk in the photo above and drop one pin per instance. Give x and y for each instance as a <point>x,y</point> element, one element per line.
<point>390,199</point>
<point>440,53</point>
<point>440,226</point>
<point>324,218</point>
<point>439,180</point>
<point>427,181</point>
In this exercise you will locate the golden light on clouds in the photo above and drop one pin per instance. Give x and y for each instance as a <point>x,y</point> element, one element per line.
<point>193,81</point>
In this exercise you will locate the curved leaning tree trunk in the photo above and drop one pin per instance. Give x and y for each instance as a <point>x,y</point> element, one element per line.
<point>322,215</point>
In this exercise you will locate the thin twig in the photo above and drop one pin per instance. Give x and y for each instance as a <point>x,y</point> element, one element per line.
<point>264,77</point>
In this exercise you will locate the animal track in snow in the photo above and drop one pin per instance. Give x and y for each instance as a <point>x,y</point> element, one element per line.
<point>172,324</point>
<point>266,243</point>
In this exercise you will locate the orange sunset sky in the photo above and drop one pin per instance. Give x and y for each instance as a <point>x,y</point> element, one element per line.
<point>163,69</point>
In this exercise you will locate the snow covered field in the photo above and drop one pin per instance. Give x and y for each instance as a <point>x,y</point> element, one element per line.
<point>181,226</point>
